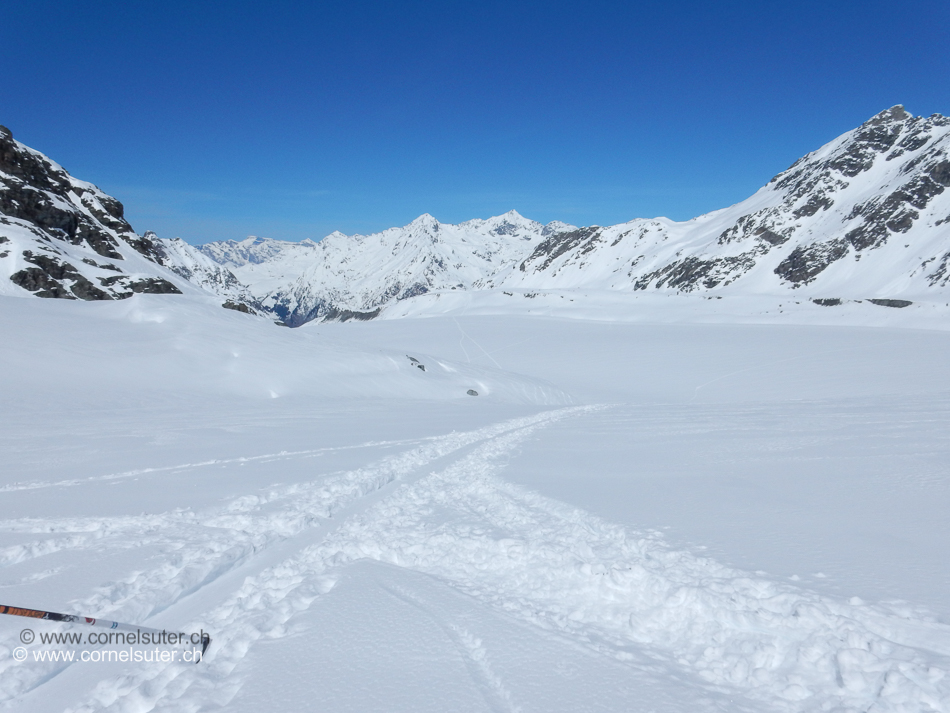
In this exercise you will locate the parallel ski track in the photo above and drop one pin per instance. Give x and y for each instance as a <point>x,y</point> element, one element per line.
<point>621,593</point>
<point>204,547</point>
<point>281,455</point>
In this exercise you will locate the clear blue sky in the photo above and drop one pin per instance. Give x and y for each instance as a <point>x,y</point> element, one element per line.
<point>216,120</point>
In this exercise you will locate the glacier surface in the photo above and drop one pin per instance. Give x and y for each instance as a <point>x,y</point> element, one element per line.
<point>684,514</point>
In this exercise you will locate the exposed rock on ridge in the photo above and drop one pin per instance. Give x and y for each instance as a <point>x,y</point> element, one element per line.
<point>865,216</point>
<point>64,238</point>
<point>874,195</point>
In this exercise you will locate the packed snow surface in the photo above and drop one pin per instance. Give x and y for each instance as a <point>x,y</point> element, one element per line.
<point>686,514</point>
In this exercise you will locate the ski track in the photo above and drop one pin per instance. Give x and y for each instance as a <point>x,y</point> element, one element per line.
<point>494,692</point>
<point>478,655</point>
<point>265,603</point>
<point>198,548</point>
<point>621,593</point>
<point>72,482</point>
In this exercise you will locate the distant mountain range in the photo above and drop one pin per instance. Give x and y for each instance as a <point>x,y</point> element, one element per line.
<point>865,216</point>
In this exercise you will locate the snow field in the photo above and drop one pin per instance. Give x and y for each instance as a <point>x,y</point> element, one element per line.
<point>622,591</point>
<point>198,548</point>
<point>402,531</point>
<point>146,348</point>
<point>927,311</point>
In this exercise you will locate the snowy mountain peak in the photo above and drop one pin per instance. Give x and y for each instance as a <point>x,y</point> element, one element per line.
<point>512,217</point>
<point>895,113</point>
<point>425,221</point>
<point>876,194</point>
<point>252,250</point>
<point>514,224</point>
<point>556,226</point>
<point>352,277</point>
<point>867,215</point>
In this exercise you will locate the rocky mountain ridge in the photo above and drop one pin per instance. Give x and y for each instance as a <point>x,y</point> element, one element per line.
<point>867,216</point>
<point>876,195</point>
<point>353,277</point>
<point>64,238</point>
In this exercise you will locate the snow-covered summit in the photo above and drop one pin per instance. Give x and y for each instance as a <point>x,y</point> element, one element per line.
<point>252,250</point>
<point>200,270</point>
<point>865,216</point>
<point>354,276</point>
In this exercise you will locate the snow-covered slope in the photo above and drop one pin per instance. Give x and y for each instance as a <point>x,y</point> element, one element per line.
<point>148,347</point>
<point>483,512</point>
<point>268,265</point>
<point>866,216</point>
<point>62,237</point>
<point>202,271</point>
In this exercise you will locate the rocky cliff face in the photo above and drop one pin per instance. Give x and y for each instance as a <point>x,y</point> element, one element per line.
<point>61,237</point>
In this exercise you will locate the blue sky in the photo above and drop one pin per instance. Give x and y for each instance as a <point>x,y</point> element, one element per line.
<point>216,120</point>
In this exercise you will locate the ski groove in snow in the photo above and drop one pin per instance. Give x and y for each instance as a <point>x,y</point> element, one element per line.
<point>621,593</point>
<point>201,547</point>
<point>34,485</point>
<point>472,651</point>
<point>264,603</point>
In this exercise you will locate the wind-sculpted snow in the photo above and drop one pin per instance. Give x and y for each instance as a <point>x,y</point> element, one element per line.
<point>146,345</point>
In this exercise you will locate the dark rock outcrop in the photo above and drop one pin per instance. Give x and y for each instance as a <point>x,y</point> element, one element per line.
<point>583,239</point>
<point>238,307</point>
<point>335,314</point>
<point>891,303</point>
<point>806,262</point>
<point>65,226</point>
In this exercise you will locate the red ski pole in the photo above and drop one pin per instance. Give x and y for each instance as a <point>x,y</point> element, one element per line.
<point>154,634</point>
